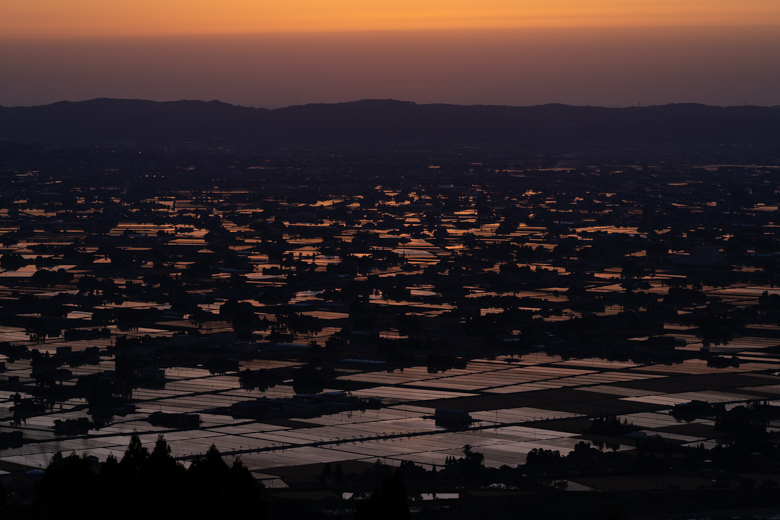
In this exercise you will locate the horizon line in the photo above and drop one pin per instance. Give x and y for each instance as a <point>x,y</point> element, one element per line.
<point>363,100</point>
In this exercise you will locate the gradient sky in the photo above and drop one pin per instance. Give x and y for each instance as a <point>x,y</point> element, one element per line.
<point>518,52</point>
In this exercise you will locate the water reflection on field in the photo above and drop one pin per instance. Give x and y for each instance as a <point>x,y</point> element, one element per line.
<point>309,319</point>
<point>515,408</point>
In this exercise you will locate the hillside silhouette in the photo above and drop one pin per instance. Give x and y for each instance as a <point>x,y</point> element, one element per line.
<point>120,120</point>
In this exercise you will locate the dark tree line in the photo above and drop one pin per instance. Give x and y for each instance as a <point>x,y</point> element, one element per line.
<point>148,484</point>
<point>388,501</point>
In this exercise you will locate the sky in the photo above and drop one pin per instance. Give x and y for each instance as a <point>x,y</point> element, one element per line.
<point>284,52</point>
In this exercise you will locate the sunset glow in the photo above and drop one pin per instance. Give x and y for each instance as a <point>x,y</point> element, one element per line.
<point>92,18</point>
<point>278,53</point>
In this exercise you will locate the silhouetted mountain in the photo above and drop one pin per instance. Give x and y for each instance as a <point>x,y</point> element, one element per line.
<point>113,120</point>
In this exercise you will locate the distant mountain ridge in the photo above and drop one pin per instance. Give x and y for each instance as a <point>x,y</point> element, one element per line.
<point>120,120</point>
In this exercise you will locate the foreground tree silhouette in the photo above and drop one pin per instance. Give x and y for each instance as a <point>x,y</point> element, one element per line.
<point>64,487</point>
<point>148,484</point>
<point>230,490</point>
<point>163,480</point>
<point>388,501</point>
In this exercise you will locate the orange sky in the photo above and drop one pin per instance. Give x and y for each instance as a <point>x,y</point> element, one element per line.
<point>281,52</point>
<point>106,18</point>
<point>578,66</point>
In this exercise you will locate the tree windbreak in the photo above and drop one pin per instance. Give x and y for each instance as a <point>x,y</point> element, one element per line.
<point>148,484</point>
